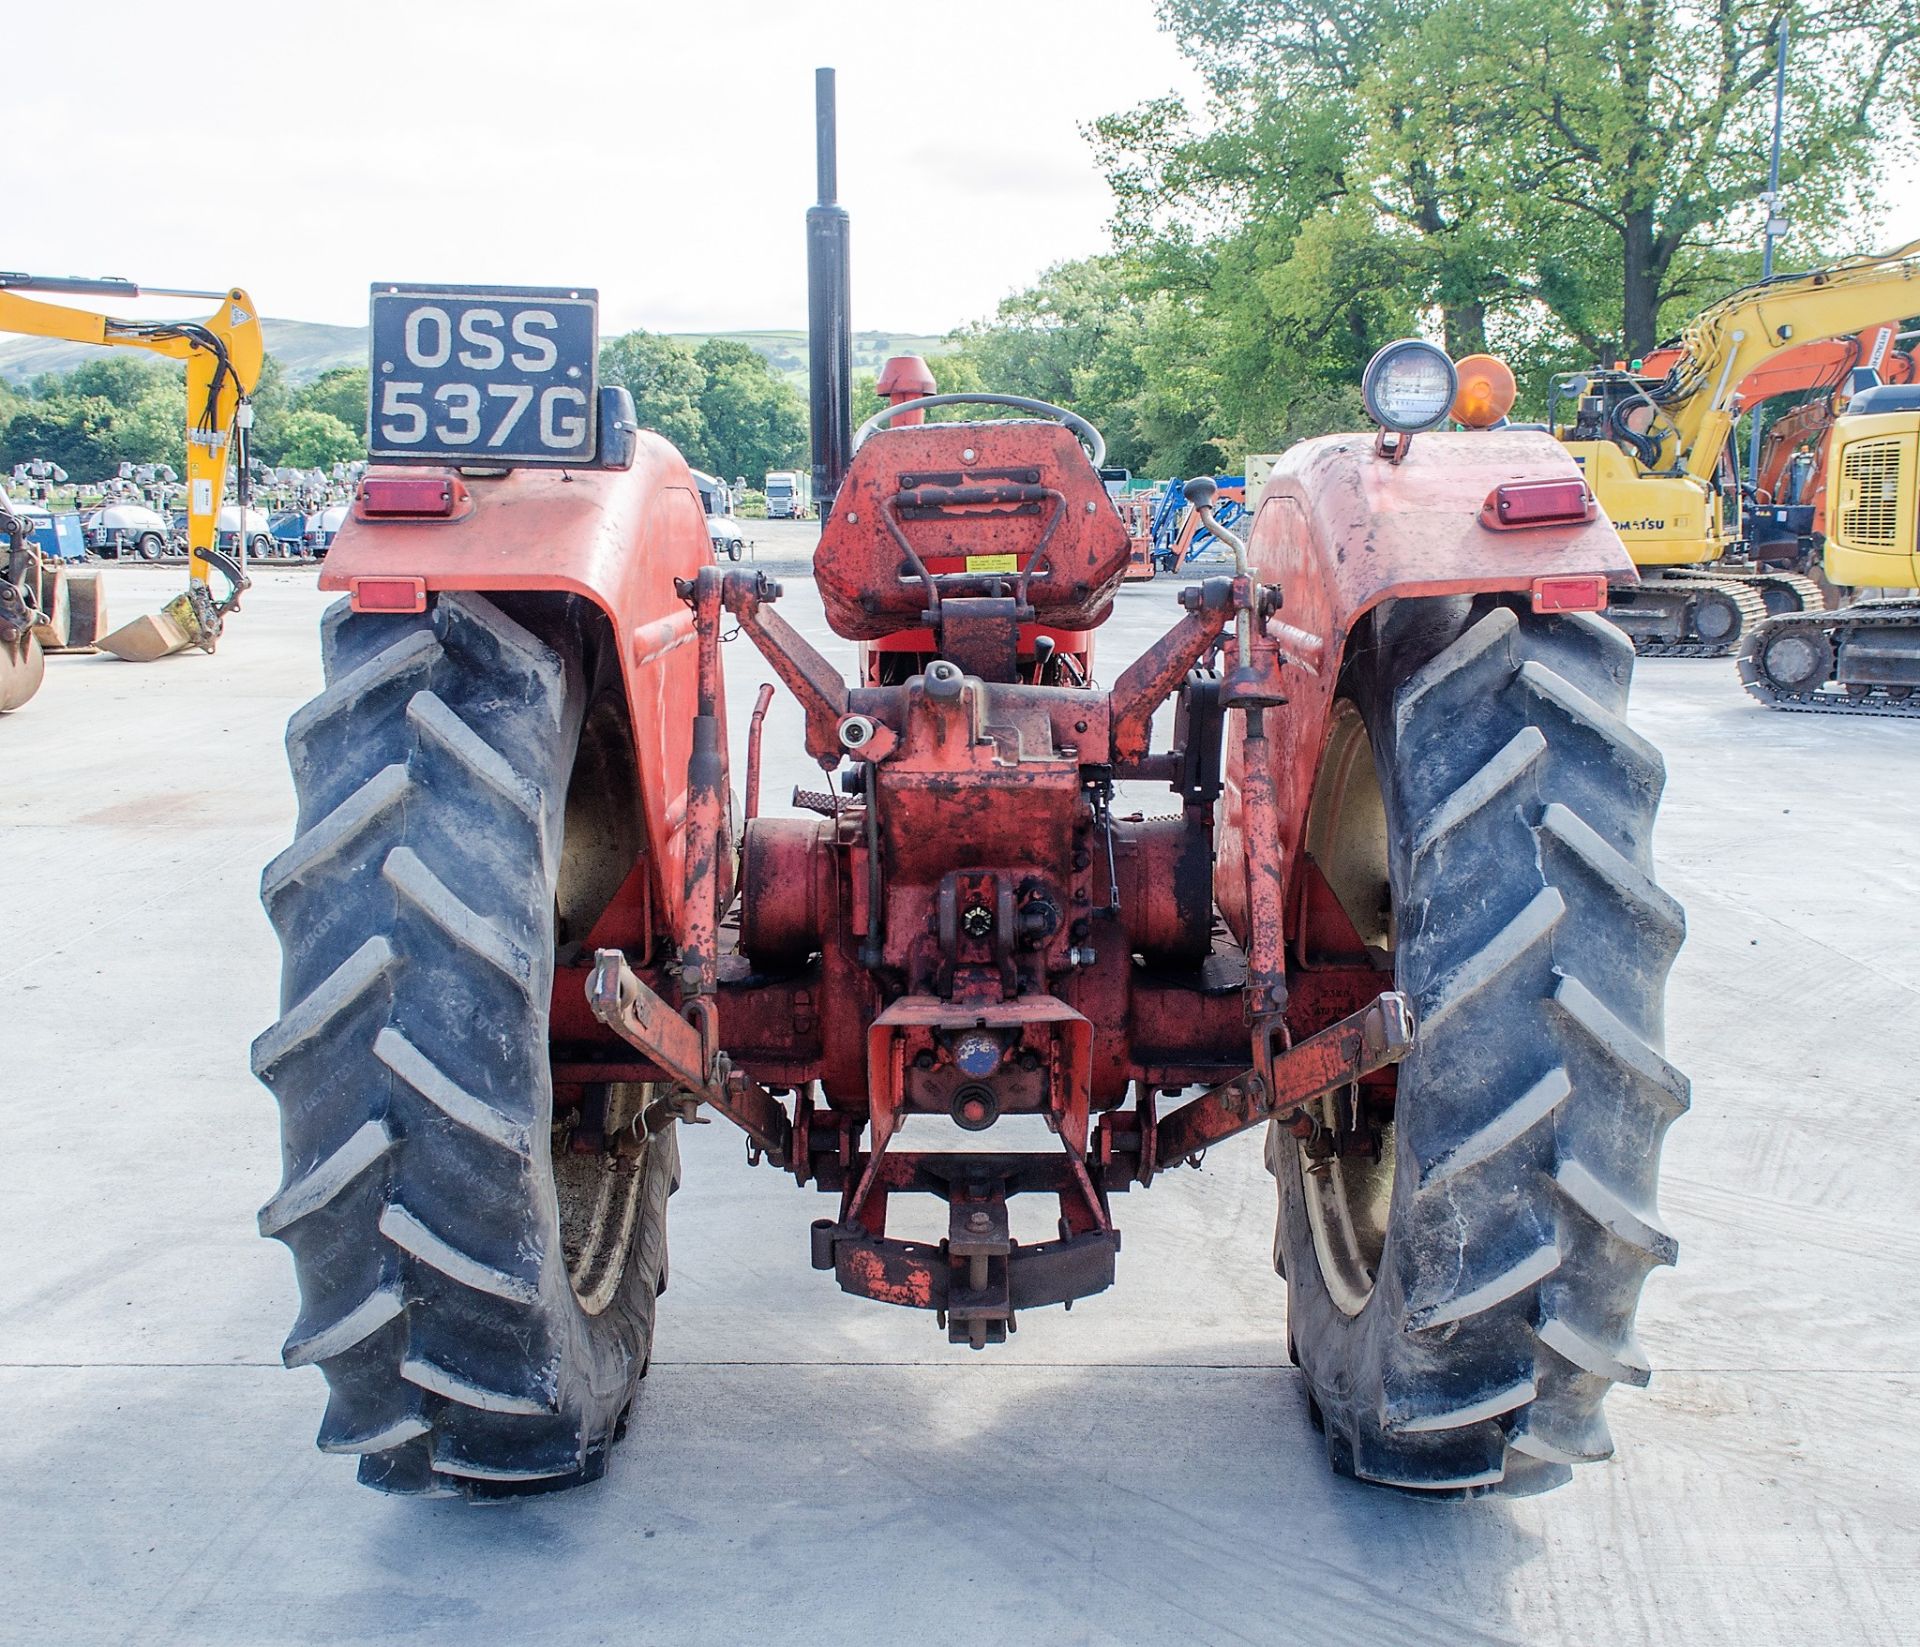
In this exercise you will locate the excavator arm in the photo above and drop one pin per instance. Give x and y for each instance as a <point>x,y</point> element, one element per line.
<point>223,355</point>
<point>1698,399</point>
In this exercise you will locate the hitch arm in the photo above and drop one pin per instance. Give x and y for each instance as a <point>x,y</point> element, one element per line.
<point>1156,674</point>
<point>809,676</point>
<point>622,1000</point>
<point>1379,1034</point>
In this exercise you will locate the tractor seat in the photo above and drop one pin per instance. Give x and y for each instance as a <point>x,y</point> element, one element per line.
<point>939,515</point>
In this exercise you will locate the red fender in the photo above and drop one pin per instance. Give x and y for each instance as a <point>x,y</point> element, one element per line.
<point>1340,530</point>
<point>618,537</point>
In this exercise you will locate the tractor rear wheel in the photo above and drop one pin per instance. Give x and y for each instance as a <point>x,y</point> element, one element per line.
<point>477,1274</point>
<point>1462,1278</point>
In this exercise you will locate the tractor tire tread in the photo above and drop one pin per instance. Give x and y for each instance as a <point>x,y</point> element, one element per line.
<point>414,909</point>
<point>1535,944</point>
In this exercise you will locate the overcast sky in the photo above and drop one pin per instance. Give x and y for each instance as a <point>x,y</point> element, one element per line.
<point>662,152</point>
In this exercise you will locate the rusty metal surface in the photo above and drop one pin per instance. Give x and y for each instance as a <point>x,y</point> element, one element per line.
<point>966,929</point>
<point>818,686</point>
<point>708,849</point>
<point>1151,678</point>
<point>629,1007</point>
<point>1336,532</point>
<point>683,1051</point>
<point>1284,1081</point>
<point>919,504</point>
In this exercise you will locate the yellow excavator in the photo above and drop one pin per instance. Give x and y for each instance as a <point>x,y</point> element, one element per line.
<point>1657,451</point>
<point>1863,659</point>
<point>223,356</point>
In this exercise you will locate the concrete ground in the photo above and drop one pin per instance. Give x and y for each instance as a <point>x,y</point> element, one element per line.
<point>804,1466</point>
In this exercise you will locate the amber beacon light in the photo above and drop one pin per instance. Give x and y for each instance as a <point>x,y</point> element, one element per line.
<point>1486,392</point>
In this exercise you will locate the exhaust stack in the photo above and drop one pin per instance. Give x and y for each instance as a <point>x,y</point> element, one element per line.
<point>829,317</point>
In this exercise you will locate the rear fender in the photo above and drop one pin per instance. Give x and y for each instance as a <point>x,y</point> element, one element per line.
<point>1339,531</point>
<point>617,537</point>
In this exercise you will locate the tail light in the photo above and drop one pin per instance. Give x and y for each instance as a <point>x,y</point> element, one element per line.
<point>388,594</point>
<point>432,496</point>
<point>1580,592</point>
<point>1538,503</point>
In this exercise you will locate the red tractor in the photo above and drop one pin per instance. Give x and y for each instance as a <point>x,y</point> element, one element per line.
<point>1400,913</point>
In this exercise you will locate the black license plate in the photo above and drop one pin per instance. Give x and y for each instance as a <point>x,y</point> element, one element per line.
<point>484,376</point>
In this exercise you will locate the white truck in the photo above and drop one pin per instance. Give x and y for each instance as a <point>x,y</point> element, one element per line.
<point>788,494</point>
<point>723,531</point>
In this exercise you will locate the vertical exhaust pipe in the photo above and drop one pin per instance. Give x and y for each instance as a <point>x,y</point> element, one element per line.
<point>829,317</point>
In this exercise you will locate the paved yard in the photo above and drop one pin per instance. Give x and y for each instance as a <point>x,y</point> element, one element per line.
<point>805,1467</point>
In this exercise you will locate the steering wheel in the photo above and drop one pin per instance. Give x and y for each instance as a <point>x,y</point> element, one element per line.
<point>1025,403</point>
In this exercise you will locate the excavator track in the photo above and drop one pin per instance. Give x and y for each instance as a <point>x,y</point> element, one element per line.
<point>1825,636</point>
<point>1784,593</point>
<point>1749,603</point>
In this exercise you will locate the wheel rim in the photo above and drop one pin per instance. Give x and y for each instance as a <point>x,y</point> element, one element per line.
<point>1348,1197</point>
<point>1794,662</point>
<point>599,1160</point>
<point>1716,618</point>
<point>601,1191</point>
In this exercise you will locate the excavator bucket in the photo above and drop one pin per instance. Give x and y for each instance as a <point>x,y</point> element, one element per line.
<point>158,635</point>
<point>192,618</point>
<point>22,667</point>
<point>56,608</point>
<point>86,612</point>
<point>73,605</point>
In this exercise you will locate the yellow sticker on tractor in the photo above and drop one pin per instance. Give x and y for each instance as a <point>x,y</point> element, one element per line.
<point>993,563</point>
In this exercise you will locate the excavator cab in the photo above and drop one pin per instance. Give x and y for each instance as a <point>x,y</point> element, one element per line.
<point>1873,524</point>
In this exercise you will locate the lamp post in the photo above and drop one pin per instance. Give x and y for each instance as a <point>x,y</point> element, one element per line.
<point>1776,224</point>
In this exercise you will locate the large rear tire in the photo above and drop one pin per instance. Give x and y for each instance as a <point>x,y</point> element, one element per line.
<point>1461,1306</point>
<point>479,1294</point>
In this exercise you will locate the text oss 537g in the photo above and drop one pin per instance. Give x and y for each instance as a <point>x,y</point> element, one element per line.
<point>483,376</point>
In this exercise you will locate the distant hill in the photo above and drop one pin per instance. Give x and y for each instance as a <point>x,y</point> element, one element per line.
<point>306,348</point>
<point>786,352</point>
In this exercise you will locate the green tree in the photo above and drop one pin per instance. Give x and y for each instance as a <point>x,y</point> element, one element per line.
<point>311,439</point>
<point>1070,339</point>
<point>1642,128</point>
<point>1491,162</point>
<point>81,433</point>
<point>153,429</point>
<point>272,401</point>
<point>752,420</point>
<point>12,404</point>
<point>125,377</point>
<point>340,393</point>
<point>665,379</point>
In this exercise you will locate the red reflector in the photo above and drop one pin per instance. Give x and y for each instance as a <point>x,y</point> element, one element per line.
<point>1537,503</point>
<point>429,494</point>
<point>388,594</point>
<point>1586,592</point>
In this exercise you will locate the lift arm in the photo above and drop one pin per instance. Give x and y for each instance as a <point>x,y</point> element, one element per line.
<point>223,353</point>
